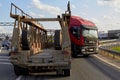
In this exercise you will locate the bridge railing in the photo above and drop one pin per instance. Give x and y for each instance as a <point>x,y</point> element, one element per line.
<point>106,49</point>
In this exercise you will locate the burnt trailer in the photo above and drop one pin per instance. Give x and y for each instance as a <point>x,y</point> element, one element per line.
<point>30,53</point>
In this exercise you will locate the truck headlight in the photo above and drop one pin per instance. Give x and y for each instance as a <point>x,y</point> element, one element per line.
<point>83,50</point>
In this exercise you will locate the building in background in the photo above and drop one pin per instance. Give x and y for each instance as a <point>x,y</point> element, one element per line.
<point>102,35</point>
<point>113,34</point>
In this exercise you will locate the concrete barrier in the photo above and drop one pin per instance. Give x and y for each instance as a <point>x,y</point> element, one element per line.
<point>105,49</point>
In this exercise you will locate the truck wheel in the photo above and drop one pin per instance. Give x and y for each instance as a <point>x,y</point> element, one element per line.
<point>57,40</point>
<point>73,49</point>
<point>20,71</point>
<point>73,54</point>
<point>66,72</point>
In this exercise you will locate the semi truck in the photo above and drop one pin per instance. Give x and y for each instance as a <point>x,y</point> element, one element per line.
<point>84,37</point>
<point>30,53</point>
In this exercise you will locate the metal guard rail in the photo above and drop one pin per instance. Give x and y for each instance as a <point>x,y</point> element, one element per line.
<point>108,41</point>
<point>105,49</point>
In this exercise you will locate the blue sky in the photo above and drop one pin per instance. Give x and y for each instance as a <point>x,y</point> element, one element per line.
<point>104,13</point>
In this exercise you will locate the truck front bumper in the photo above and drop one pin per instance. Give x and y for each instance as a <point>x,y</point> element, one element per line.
<point>89,50</point>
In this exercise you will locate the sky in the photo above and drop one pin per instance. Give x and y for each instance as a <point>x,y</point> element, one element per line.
<point>104,13</point>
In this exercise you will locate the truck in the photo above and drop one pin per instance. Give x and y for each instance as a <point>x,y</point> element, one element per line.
<point>84,37</point>
<point>30,53</point>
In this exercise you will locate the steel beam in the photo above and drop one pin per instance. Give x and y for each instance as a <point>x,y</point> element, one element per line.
<point>41,19</point>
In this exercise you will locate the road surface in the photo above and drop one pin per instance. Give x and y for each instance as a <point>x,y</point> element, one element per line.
<point>82,69</point>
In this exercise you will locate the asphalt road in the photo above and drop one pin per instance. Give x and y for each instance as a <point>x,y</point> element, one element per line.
<point>82,69</point>
<point>6,69</point>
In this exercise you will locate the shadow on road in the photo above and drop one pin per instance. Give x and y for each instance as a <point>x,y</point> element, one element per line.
<point>42,77</point>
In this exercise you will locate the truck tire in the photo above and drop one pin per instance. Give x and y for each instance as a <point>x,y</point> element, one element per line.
<point>20,71</point>
<point>24,40</point>
<point>73,50</point>
<point>66,72</point>
<point>57,40</point>
<point>74,55</point>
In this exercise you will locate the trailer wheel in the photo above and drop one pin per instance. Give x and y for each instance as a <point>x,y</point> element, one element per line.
<point>20,71</point>
<point>57,40</point>
<point>66,72</point>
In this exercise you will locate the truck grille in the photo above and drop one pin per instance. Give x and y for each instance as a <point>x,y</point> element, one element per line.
<point>90,43</point>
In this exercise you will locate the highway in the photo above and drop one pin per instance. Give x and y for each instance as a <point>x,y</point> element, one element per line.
<point>82,69</point>
<point>6,69</point>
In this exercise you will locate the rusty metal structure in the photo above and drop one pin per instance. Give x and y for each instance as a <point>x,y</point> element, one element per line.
<point>30,52</point>
<point>50,32</point>
<point>22,27</point>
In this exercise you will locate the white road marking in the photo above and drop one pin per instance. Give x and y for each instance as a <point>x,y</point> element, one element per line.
<point>118,67</point>
<point>5,57</point>
<point>5,63</point>
<point>4,60</point>
<point>19,78</point>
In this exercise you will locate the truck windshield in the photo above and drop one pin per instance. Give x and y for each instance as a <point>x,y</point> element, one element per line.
<point>90,33</point>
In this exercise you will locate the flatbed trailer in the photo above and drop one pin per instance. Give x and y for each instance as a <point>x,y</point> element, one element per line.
<point>48,60</point>
<point>30,54</point>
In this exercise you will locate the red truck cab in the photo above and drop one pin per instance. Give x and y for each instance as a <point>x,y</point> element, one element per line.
<point>83,36</point>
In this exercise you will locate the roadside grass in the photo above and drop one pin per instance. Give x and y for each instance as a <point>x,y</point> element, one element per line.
<point>116,49</point>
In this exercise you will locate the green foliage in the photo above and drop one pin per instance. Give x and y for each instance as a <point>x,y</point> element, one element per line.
<point>116,49</point>
<point>50,38</point>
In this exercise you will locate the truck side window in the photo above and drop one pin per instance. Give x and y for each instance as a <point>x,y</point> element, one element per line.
<point>75,30</point>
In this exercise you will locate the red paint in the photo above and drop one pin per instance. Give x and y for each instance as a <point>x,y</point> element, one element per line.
<point>75,20</point>
<point>78,21</point>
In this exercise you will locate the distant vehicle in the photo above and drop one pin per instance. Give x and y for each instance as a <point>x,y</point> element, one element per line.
<point>5,47</point>
<point>84,37</point>
<point>6,43</point>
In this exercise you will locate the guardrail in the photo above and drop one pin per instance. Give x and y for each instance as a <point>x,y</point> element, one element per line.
<point>105,49</point>
<point>108,41</point>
